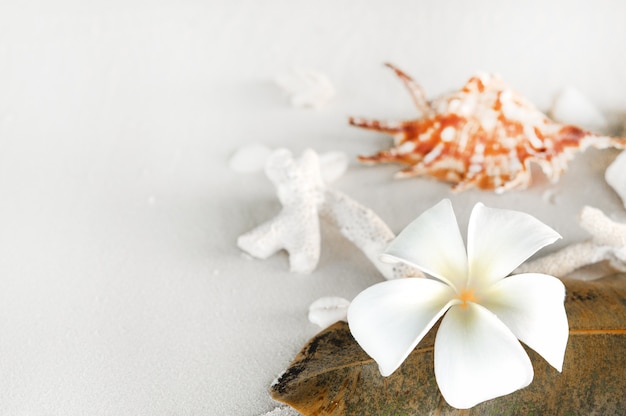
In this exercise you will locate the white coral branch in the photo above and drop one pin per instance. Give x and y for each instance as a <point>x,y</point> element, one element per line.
<point>296,228</point>
<point>364,229</point>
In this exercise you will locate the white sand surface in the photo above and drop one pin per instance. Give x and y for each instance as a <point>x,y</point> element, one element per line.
<point>122,291</point>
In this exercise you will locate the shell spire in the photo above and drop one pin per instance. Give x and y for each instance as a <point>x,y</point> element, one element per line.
<point>484,135</point>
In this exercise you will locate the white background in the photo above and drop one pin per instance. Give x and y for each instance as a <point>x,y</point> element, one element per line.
<point>122,291</point>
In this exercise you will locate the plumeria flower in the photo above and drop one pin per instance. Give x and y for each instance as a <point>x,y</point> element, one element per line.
<point>477,353</point>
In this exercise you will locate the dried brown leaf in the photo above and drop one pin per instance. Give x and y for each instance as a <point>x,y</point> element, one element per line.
<point>332,375</point>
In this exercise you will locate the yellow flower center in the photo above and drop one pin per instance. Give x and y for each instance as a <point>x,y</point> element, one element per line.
<point>465,296</point>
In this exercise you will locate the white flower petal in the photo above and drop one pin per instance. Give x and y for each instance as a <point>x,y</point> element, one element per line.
<point>477,358</point>
<point>390,318</point>
<point>499,240</point>
<point>532,306</point>
<point>433,244</point>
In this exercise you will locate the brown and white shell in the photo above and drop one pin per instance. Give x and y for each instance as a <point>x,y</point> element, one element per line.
<point>484,135</point>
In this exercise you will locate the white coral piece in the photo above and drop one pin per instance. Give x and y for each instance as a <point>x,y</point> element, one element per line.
<point>296,228</point>
<point>607,244</point>
<point>328,310</point>
<point>282,411</point>
<point>305,199</point>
